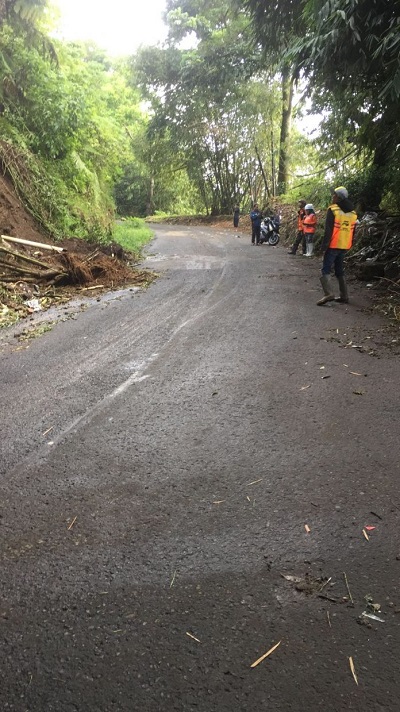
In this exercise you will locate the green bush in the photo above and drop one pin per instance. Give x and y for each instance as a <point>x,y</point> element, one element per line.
<point>132,234</point>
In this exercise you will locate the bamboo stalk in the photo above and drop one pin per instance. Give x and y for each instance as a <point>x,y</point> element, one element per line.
<point>42,245</point>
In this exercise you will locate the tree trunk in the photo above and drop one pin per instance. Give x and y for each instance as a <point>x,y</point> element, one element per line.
<point>150,201</point>
<point>267,190</point>
<point>286,121</point>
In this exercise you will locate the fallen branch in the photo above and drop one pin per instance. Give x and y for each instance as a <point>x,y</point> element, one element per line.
<point>20,270</point>
<point>20,256</point>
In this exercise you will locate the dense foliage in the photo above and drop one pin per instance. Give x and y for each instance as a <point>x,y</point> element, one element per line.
<point>348,53</point>
<point>206,120</point>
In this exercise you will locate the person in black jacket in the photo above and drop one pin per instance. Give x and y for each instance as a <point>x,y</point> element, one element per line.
<point>255,217</point>
<point>236,214</point>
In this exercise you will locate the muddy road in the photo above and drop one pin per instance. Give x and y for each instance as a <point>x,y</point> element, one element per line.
<point>169,456</point>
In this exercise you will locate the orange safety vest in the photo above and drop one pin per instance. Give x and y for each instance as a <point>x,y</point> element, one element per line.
<point>300,217</point>
<point>309,224</point>
<point>343,228</point>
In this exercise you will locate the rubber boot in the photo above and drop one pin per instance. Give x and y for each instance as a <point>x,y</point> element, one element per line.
<point>310,249</point>
<point>326,286</point>
<point>344,295</point>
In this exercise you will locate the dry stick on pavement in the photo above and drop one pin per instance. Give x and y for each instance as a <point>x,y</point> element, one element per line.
<point>325,584</point>
<point>353,672</point>
<point>192,636</point>
<point>348,587</point>
<point>72,523</point>
<point>271,650</point>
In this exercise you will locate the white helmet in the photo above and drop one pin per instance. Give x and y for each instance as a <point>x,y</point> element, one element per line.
<point>309,206</point>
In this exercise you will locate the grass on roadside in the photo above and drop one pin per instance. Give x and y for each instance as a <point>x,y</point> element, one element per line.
<point>132,234</point>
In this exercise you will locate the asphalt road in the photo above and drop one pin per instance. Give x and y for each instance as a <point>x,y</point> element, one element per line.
<point>168,457</point>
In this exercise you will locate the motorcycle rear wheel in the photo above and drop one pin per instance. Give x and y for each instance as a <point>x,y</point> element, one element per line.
<point>273,239</point>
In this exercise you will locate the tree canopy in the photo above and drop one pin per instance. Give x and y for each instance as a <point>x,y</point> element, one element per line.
<point>206,120</point>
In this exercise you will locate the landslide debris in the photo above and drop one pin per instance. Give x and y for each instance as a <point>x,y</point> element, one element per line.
<point>34,276</point>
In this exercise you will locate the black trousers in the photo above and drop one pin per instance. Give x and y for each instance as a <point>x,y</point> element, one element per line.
<point>300,238</point>
<point>255,233</point>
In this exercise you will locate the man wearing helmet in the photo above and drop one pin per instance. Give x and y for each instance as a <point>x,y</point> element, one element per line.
<point>338,238</point>
<point>300,234</point>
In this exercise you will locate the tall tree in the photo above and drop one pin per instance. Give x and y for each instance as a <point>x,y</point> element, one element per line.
<point>349,52</point>
<point>275,27</point>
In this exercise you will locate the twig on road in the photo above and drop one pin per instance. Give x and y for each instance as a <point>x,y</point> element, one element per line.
<point>271,650</point>
<point>348,587</point>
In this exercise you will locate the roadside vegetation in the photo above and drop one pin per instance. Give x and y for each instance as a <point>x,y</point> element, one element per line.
<point>132,234</point>
<point>189,131</point>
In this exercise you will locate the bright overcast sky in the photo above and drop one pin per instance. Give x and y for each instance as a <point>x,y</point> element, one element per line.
<point>119,26</point>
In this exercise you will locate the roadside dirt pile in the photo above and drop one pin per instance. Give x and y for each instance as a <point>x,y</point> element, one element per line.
<point>35,275</point>
<point>36,272</point>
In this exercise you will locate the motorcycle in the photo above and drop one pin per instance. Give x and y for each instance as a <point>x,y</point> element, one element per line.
<point>270,230</point>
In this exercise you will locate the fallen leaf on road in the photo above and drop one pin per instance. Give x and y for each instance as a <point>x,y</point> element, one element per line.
<point>365,534</point>
<point>294,579</point>
<point>353,672</point>
<point>271,650</point>
<point>358,393</point>
<point>304,388</point>
<point>369,528</point>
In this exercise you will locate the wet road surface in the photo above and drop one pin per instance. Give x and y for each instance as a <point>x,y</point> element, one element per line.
<point>167,458</point>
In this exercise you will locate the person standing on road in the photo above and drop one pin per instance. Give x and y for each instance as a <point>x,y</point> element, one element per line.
<point>255,217</point>
<point>309,226</point>
<point>236,215</point>
<point>340,224</point>
<point>300,234</point>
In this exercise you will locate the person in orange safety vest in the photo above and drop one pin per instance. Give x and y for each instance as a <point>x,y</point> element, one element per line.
<point>301,213</point>
<point>309,226</point>
<point>340,224</point>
